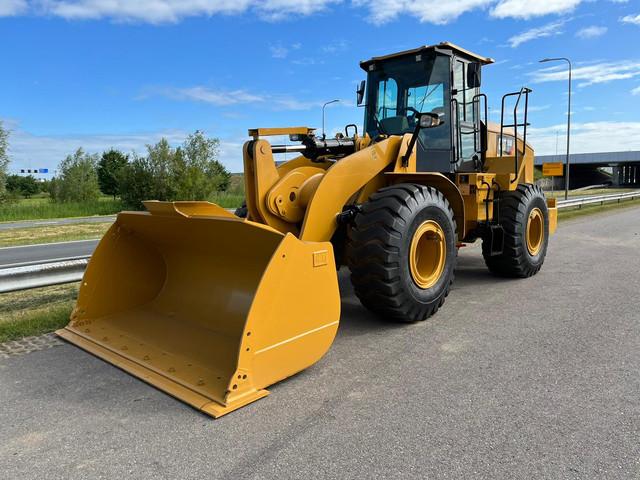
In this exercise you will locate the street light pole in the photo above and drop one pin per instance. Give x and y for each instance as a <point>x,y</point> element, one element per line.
<point>328,103</point>
<point>566,173</point>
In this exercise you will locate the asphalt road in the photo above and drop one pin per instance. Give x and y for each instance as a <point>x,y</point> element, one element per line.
<point>536,378</point>
<point>45,251</point>
<point>55,221</point>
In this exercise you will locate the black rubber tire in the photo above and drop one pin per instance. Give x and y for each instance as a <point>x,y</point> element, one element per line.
<point>242,211</point>
<point>515,207</point>
<point>378,250</point>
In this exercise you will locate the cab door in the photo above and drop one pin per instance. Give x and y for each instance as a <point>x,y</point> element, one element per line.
<point>467,150</point>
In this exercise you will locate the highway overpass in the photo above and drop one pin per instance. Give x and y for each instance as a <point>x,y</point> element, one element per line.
<point>625,167</point>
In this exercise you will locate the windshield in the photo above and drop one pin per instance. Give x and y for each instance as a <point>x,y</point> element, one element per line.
<point>402,87</point>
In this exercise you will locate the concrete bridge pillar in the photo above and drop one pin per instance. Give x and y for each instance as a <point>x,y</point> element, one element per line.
<point>616,176</point>
<point>634,174</point>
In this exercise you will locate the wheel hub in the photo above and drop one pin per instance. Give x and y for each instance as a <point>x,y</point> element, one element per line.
<point>427,255</point>
<point>535,231</point>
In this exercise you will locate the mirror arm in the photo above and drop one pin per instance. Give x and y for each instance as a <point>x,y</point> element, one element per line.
<point>412,143</point>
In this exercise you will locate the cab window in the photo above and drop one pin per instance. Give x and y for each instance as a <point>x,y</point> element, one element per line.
<point>427,98</point>
<point>387,99</point>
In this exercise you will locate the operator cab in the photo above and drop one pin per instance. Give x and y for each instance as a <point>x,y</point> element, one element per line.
<point>442,79</point>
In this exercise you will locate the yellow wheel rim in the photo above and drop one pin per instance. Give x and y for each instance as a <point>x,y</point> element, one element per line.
<point>535,231</point>
<point>428,254</point>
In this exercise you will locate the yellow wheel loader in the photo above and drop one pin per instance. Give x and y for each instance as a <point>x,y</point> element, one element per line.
<point>213,308</point>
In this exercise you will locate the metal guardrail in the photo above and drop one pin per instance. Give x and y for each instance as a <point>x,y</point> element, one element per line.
<point>33,275</point>
<point>597,199</point>
<point>24,276</point>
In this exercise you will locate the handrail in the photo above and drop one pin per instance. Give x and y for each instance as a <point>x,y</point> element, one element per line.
<point>515,125</point>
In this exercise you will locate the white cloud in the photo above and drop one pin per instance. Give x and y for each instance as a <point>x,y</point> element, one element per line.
<point>225,98</point>
<point>283,9</point>
<point>220,98</point>
<point>442,12</point>
<point>588,137</point>
<point>590,74</point>
<point>635,91</point>
<point>426,11</point>
<point>169,11</point>
<point>280,51</point>
<point>379,11</point>
<point>9,8</point>
<point>335,47</point>
<point>156,11</point>
<point>548,30</point>
<point>529,9</point>
<point>27,150</point>
<point>634,19</point>
<point>46,151</point>
<point>591,32</point>
<point>538,108</point>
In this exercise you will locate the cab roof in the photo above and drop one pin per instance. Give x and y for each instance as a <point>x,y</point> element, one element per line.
<point>442,46</point>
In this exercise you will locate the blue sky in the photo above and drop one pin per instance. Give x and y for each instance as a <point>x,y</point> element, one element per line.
<point>102,73</point>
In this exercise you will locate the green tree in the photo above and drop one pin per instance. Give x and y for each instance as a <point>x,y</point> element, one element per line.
<point>196,172</point>
<point>189,172</point>
<point>13,183</point>
<point>4,160</point>
<point>44,185</point>
<point>136,182</point>
<point>21,185</point>
<point>78,180</point>
<point>109,171</point>
<point>148,177</point>
<point>29,186</point>
<point>161,158</point>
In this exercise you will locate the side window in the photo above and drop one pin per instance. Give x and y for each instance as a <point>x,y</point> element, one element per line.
<point>387,105</point>
<point>508,145</point>
<point>459,85</point>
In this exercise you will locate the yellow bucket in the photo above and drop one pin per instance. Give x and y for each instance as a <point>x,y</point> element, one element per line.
<point>208,307</point>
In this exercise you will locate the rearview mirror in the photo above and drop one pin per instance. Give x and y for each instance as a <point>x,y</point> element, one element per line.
<point>425,120</point>
<point>360,92</point>
<point>473,75</point>
<point>429,120</point>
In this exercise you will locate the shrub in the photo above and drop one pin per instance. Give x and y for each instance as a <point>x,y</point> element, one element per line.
<point>78,181</point>
<point>189,172</point>
<point>21,185</point>
<point>109,171</point>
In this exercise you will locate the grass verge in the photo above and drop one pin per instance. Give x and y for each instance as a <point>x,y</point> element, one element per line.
<point>52,233</point>
<point>42,208</point>
<point>37,311</point>
<point>227,200</point>
<point>566,214</point>
<point>559,194</point>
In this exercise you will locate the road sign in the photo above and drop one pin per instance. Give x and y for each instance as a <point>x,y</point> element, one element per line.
<point>554,169</point>
<point>34,170</point>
